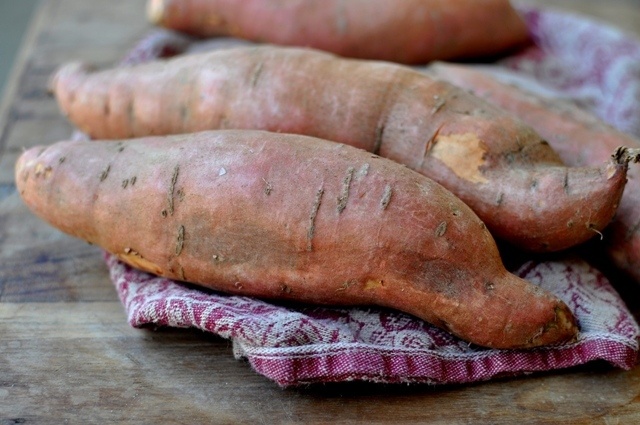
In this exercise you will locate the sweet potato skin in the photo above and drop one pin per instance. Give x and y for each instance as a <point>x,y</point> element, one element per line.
<point>501,168</point>
<point>291,217</point>
<point>580,139</point>
<point>410,31</point>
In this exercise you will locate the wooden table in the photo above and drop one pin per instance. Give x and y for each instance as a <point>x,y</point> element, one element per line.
<point>67,354</point>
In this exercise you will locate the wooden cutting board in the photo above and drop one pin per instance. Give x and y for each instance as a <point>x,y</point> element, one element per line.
<point>67,354</point>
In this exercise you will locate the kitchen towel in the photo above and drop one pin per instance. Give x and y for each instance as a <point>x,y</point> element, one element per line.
<point>294,344</point>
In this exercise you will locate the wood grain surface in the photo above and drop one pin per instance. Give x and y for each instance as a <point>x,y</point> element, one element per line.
<point>67,354</point>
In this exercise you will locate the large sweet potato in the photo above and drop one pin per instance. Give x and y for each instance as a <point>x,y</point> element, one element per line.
<point>580,139</point>
<point>291,217</point>
<point>407,31</point>
<point>500,167</point>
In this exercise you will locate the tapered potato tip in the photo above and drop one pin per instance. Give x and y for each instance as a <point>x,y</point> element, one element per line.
<point>26,164</point>
<point>155,11</point>
<point>624,155</point>
<point>564,328</point>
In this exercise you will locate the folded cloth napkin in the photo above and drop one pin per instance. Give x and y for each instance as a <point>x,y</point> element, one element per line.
<point>295,345</point>
<point>576,58</point>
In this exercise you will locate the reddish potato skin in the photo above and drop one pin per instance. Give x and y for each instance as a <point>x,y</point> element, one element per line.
<point>580,139</point>
<point>500,167</point>
<point>408,31</point>
<point>286,216</point>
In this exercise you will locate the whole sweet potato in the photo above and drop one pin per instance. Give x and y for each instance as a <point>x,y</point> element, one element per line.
<point>291,217</point>
<point>407,31</point>
<point>580,139</point>
<point>496,164</point>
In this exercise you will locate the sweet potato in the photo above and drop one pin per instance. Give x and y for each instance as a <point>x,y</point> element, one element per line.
<point>408,31</point>
<point>291,217</point>
<point>580,139</point>
<point>500,167</point>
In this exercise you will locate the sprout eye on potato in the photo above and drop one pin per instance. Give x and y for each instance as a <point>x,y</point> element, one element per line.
<point>291,217</point>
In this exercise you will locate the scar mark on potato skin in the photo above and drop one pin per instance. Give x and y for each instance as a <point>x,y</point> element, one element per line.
<point>42,170</point>
<point>386,197</point>
<point>172,186</point>
<point>464,154</point>
<point>500,199</point>
<point>439,103</point>
<point>429,145</point>
<point>364,170</point>
<point>312,218</point>
<point>267,187</point>
<point>441,229</point>
<point>373,284</point>
<point>344,194</point>
<point>565,183</point>
<point>284,289</point>
<point>255,75</point>
<point>180,240</point>
<point>105,173</point>
<point>378,139</point>
<point>346,285</point>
